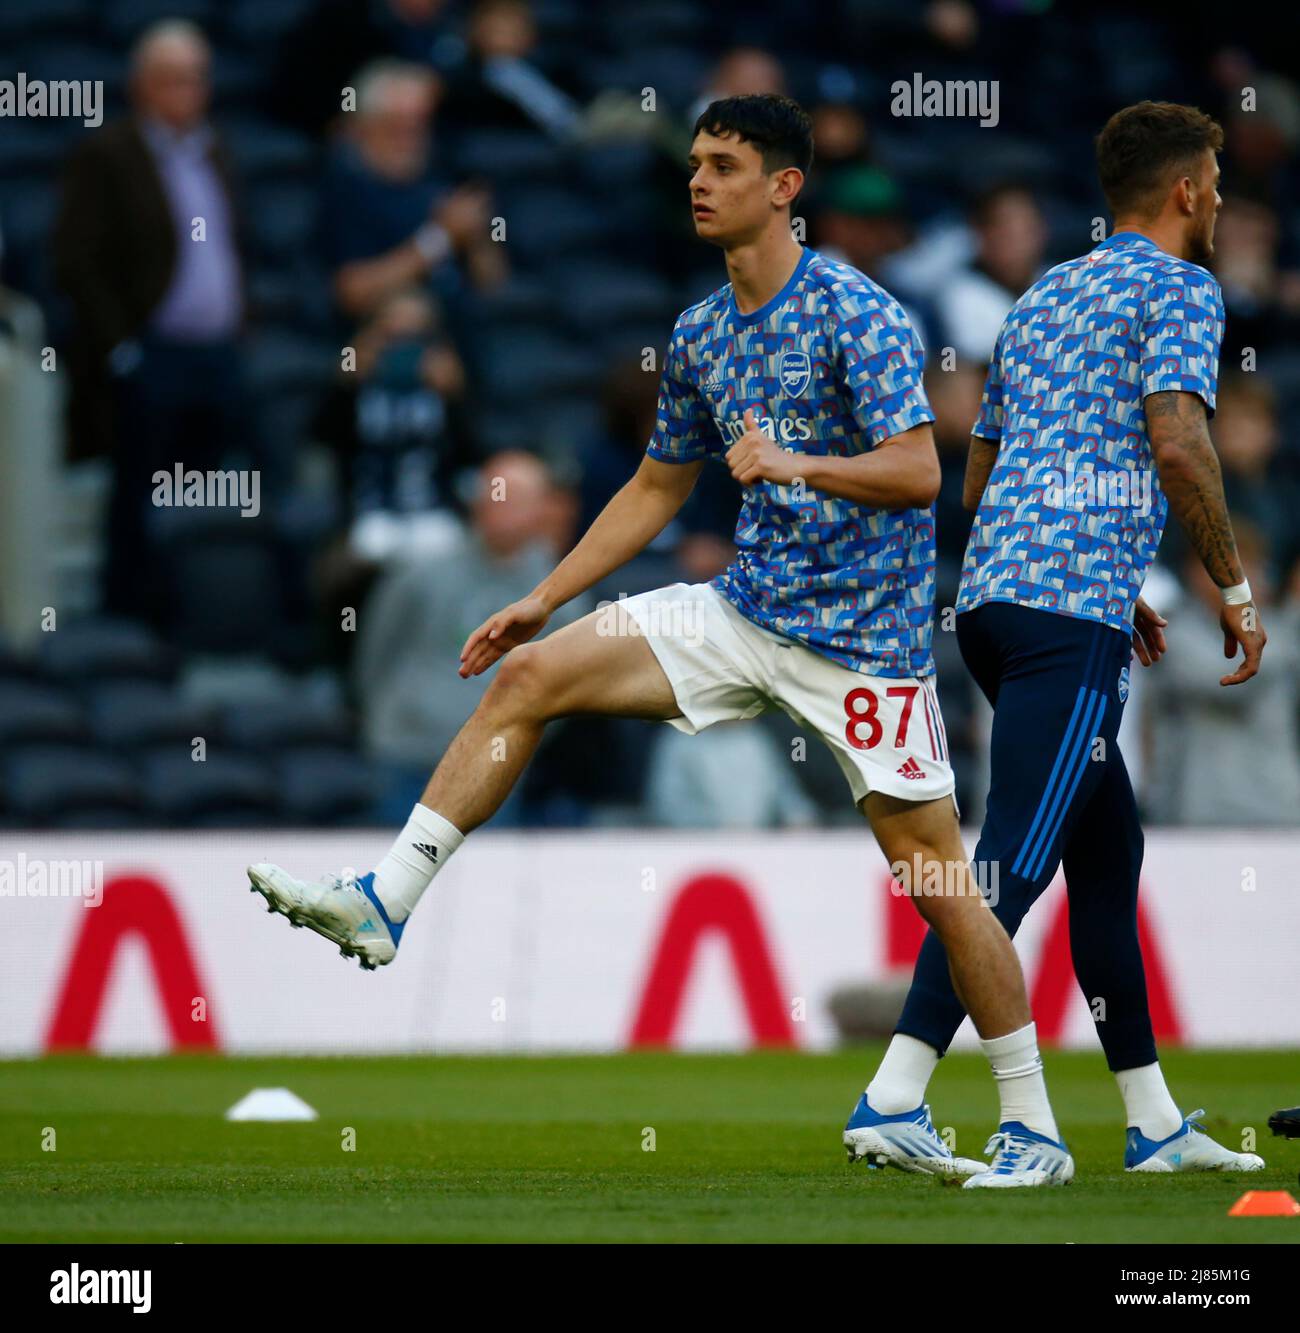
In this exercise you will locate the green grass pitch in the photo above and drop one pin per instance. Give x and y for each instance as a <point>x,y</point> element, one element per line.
<point>746,1148</point>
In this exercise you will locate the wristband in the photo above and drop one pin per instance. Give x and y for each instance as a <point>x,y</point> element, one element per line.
<point>433,243</point>
<point>1237,595</point>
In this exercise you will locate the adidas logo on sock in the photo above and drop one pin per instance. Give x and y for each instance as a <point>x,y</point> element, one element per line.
<point>429,850</point>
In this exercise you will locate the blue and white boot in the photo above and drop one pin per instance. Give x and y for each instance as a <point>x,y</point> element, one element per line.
<point>1023,1157</point>
<point>1189,1148</point>
<point>907,1141</point>
<point>342,908</point>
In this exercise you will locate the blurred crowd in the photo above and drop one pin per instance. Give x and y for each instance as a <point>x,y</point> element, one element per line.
<point>414,263</point>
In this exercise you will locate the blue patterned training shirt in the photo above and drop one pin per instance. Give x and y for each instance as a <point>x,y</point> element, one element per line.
<point>830,366</point>
<point>1073,510</point>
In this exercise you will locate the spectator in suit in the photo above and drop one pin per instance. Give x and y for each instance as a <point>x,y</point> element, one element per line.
<point>147,248</point>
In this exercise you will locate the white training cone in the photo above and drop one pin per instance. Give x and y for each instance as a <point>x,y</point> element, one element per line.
<point>271,1104</point>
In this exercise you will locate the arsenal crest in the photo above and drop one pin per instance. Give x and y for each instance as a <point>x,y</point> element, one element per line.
<point>795,373</point>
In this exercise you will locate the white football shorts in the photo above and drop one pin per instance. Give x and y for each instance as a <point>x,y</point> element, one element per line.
<point>886,732</point>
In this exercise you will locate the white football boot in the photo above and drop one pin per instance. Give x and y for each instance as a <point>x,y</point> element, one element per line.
<point>1189,1148</point>
<point>342,908</point>
<point>1022,1158</point>
<point>907,1141</point>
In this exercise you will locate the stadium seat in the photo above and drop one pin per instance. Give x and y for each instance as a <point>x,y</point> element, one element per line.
<point>238,80</point>
<point>287,418</point>
<point>256,24</point>
<point>675,73</point>
<point>564,420</point>
<point>37,712</point>
<point>635,25</point>
<point>1282,369</point>
<point>545,224</point>
<point>24,20</point>
<point>282,219</point>
<point>69,785</point>
<point>223,586</point>
<point>268,726</point>
<point>509,156</point>
<point>130,715</point>
<point>100,819</point>
<point>77,61</point>
<point>266,152</point>
<point>521,303</point>
<point>123,20</point>
<point>597,297</point>
<point>13,666</point>
<point>535,365</point>
<point>507,427</point>
<point>561,24</point>
<point>281,360</point>
<point>27,217</point>
<point>99,649</point>
<point>293,295</point>
<point>617,166</point>
<point>320,786</point>
<point>26,148</point>
<point>222,791</point>
<point>1010,157</point>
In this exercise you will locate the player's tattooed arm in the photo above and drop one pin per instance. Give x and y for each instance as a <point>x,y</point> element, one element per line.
<point>982,456</point>
<point>1193,484</point>
<point>1192,480</point>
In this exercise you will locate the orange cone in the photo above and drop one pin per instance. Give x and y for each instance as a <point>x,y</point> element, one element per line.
<point>1265,1203</point>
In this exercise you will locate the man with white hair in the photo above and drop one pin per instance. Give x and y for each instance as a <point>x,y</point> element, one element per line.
<point>391,220</point>
<point>146,247</point>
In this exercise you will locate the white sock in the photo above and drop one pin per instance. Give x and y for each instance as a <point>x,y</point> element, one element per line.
<point>422,848</point>
<point>900,1082</point>
<point>1018,1068</point>
<point>1147,1103</point>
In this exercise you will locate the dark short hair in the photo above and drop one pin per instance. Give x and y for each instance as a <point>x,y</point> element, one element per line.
<point>1144,147</point>
<point>777,126</point>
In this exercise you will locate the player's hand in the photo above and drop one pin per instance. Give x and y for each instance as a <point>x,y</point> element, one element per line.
<point>1148,634</point>
<point>498,634</point>
<point>754,457</point>
<point>1242,625</point>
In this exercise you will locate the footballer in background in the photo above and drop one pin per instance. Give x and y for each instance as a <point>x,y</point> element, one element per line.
<point>1100,389</point>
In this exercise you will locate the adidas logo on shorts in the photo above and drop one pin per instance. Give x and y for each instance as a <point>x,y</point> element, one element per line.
<point>911,769</point>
